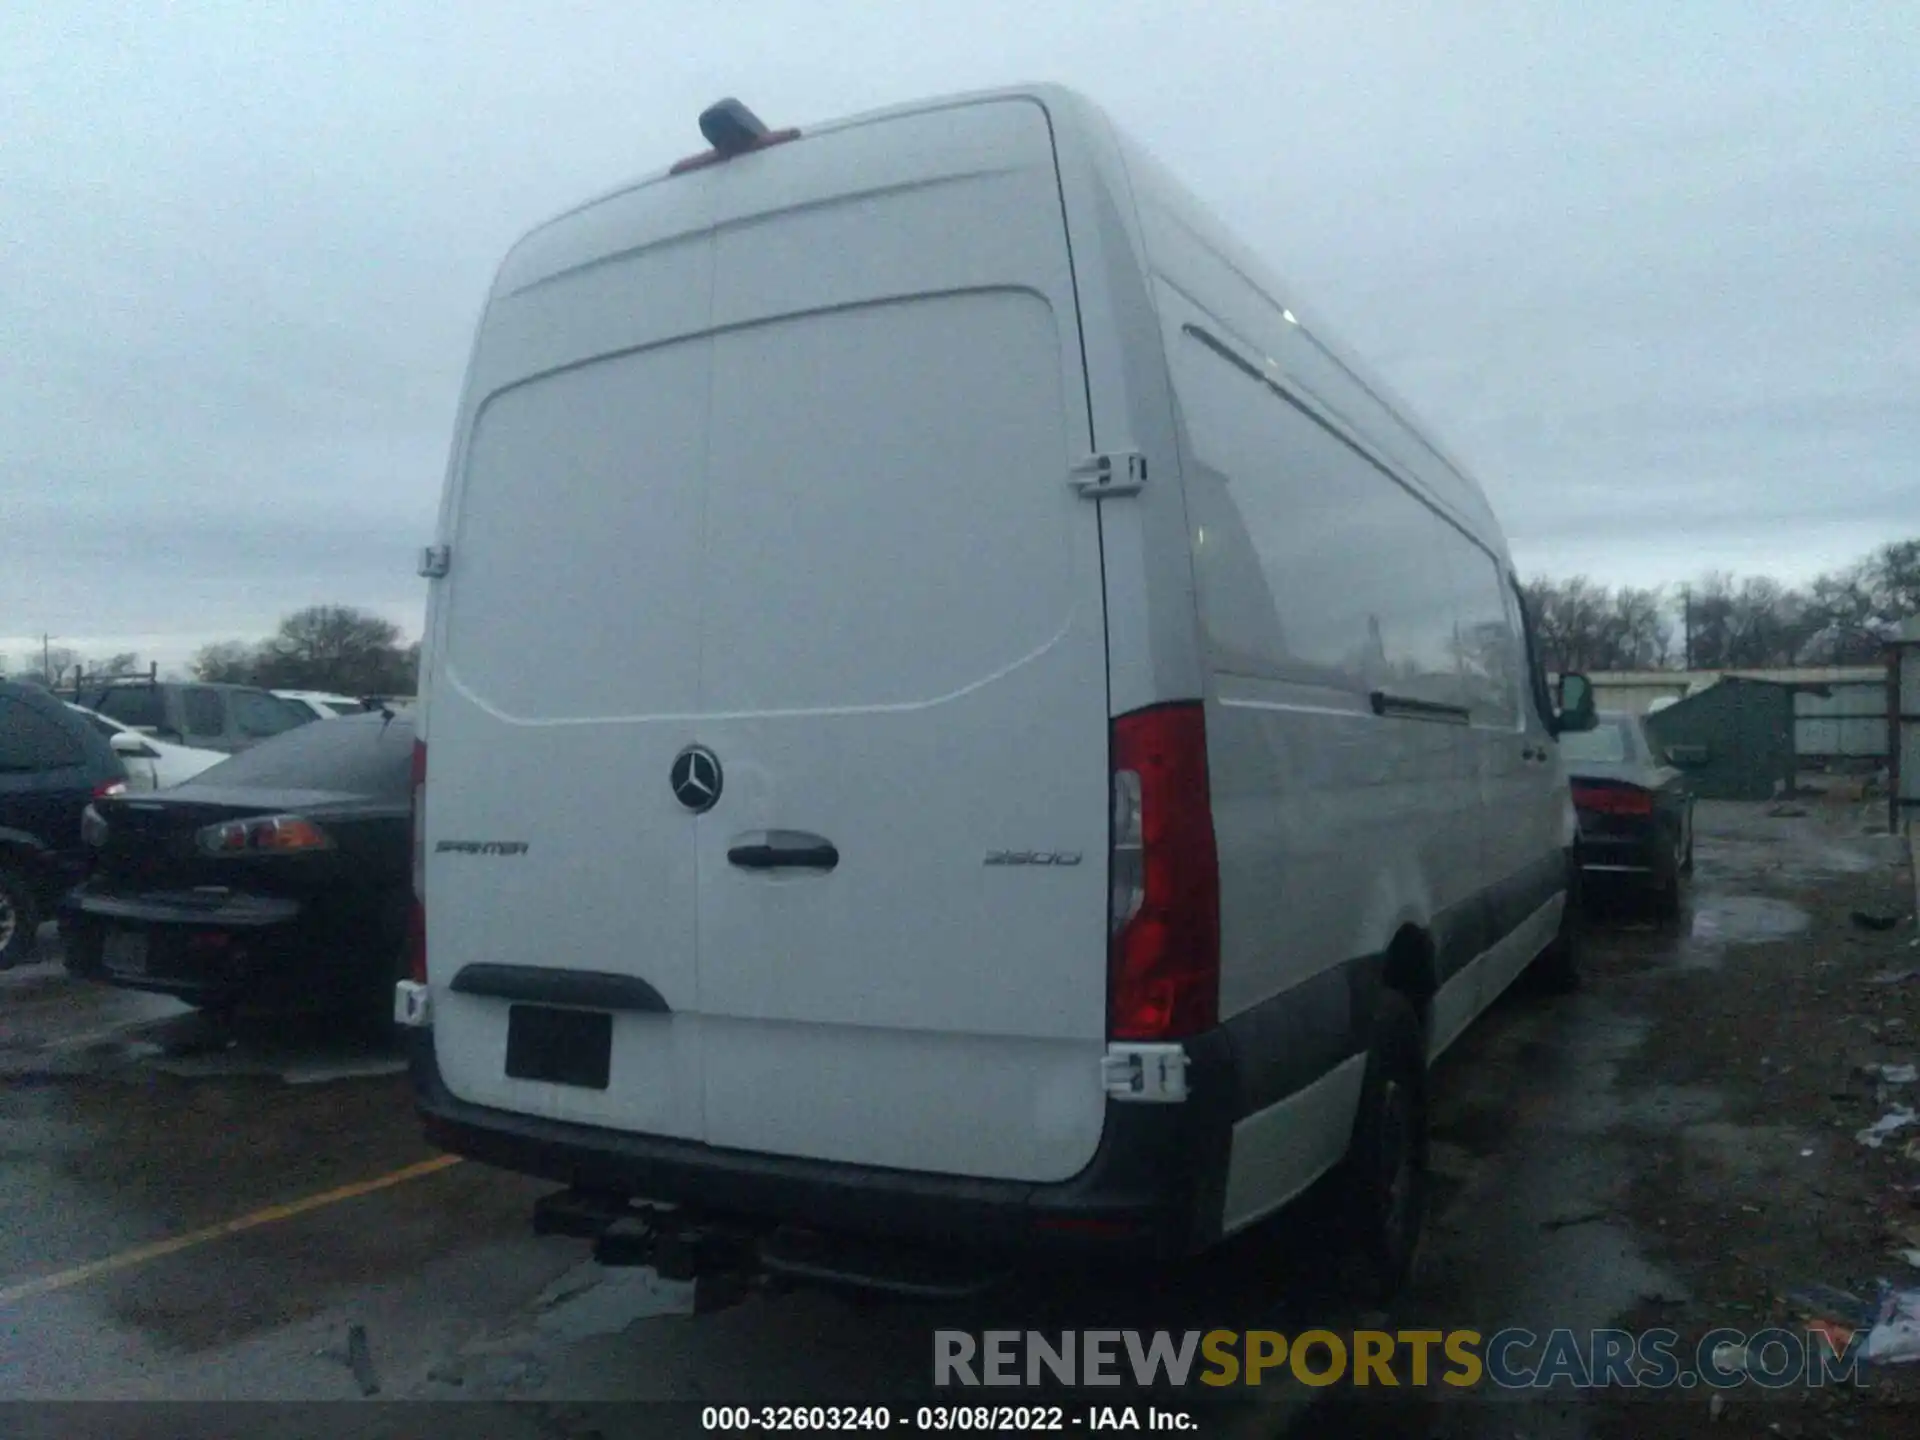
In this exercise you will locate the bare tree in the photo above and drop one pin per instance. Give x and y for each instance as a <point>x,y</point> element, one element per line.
<point>1892,575</point>
<point>229,662</point>
<point>1585,626</point>
<point>335,647</point>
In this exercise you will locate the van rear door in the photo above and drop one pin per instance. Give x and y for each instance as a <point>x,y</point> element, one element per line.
<point>853,576</point>
<point>903,659</point>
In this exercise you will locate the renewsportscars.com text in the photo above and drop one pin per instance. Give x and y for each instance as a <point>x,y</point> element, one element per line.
<point>1510,1359</point>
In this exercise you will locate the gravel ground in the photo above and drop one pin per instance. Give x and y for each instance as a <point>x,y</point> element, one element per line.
<point>1759,1052</point>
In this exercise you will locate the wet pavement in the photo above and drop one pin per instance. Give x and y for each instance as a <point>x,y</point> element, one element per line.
<point>189,1213</point>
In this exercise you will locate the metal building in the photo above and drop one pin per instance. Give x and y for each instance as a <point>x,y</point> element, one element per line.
<point>1734,739</point>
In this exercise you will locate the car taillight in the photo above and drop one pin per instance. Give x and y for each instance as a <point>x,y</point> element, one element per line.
<point>417,916</point>
<point>263,835</point>
<point>109,787</point>
<point>1164,955</point>
<point>1613,799</point>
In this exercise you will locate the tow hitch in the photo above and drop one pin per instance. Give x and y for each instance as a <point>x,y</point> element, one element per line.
<point>728,1259</point>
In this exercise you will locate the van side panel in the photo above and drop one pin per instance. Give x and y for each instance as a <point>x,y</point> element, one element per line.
<point>1153,644</point>
<point>1339,560</point>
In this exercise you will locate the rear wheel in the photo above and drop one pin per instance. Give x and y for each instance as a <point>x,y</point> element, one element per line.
<point>19,918</point>
<point>1383,1182</point>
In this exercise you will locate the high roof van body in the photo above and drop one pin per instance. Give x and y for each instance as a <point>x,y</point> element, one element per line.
<point>954,711</point>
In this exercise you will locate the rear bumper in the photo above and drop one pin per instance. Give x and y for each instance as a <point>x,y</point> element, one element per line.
<point>1644,858</point>
<point>1153,1188</point>
<point>251,949</point>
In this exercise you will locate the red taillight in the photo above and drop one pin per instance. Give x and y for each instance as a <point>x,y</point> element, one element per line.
<point>417,914</point>
<point>714,157</point>
<point>1164,956</point>
<point>110,787</point>
<point>1613,799</point>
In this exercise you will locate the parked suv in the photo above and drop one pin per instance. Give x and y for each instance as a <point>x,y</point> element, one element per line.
<point>52,765</point>
<point>228,718</point>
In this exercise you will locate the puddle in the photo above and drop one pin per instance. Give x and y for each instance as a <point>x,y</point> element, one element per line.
<point>1741,920</point>
<point>607,1302</point>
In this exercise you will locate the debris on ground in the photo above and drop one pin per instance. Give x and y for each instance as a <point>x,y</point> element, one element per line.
<point>1895,977</point>
<point>1787,812</point>
<point>1898,1118</point>
<point>1892,1074</point>
<point>1877,919</point>
<point>1895,1337</point>
<point>360,1360</point>
<point>1574,1217</point>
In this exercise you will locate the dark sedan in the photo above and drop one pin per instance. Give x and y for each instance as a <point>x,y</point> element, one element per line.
<point>1634,810</point>
<point>280,878</point>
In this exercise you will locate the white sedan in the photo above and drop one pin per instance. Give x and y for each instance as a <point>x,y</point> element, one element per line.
<point>150,764</point>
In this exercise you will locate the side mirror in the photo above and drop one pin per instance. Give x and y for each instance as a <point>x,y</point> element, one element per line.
<point>132,747</point>
<point>1576,705</point>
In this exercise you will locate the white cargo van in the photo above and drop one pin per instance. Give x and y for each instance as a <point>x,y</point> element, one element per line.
<point>954,715</point>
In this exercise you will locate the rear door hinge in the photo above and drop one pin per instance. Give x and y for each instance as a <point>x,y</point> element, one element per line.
<point>1111,472</point>
<point>435,560</point>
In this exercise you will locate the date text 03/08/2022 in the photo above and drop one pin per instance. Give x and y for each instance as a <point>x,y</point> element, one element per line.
<point>989,1419</point>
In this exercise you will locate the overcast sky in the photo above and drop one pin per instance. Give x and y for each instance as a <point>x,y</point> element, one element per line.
<point>1649,269</point>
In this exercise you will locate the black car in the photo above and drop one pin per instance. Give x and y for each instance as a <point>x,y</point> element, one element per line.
<point>1635,812</point>
<point>278,879</point>
<point>52,765</point>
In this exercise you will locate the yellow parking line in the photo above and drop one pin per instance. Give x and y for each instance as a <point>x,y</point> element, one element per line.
<point>141,1254</point>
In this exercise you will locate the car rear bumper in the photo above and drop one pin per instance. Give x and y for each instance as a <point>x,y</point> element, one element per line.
<point>1632,858</point>
<point>248,949</point>
<point>1152,1190</point>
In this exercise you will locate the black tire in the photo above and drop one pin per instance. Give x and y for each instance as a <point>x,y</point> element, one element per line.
<point>19,918</point>
<point>1557,968</point>
<point>1382,1186</point>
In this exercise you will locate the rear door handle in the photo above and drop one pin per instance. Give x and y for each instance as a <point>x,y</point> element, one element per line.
<point>783,850</point>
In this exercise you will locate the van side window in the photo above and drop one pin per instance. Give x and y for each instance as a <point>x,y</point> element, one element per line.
<point>1491,648</point>
<point>1313,563</point>
<point>1536,671</point>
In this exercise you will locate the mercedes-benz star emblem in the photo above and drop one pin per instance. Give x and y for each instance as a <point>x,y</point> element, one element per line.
<point>695,778</point>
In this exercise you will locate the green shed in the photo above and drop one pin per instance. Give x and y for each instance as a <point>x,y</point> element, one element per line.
<point>1734,739</point>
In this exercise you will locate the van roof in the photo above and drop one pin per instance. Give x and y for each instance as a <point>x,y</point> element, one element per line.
<point>1115,165</point>
<point>1055,99</point>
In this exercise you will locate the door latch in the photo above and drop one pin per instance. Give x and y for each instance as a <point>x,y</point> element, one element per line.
<point>1156,1074</point>
<point>1117,472</point>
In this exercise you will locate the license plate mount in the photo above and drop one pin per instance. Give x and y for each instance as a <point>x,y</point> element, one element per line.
<point>560,1046</point>
<point>124,952</point>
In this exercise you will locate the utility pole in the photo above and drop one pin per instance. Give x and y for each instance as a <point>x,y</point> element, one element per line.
<point>46,658</point>
<point>1686,627</point>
